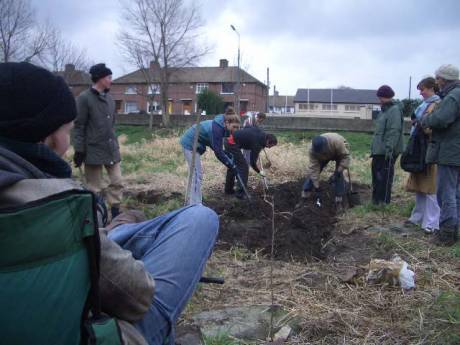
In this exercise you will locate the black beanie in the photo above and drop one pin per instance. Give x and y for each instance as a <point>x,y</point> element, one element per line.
<point>33,102</point>
<point>319,144</point>
<point>99,71</point>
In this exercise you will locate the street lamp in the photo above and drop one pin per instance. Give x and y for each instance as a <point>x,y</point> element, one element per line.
<point>239,78</point>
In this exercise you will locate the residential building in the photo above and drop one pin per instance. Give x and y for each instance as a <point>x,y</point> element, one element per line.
<point>77,80</point>
<point>281,104</point>
<point>139,91</point>
<point>340,103</point>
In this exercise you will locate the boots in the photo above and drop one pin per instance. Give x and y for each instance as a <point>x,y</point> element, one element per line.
<point>447,235</point>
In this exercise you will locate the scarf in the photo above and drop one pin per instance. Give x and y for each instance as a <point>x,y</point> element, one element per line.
<point>41,156</point>
<point>421,109</point>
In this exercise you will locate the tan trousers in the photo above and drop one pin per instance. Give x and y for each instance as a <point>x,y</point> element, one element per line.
<point>95,182</point>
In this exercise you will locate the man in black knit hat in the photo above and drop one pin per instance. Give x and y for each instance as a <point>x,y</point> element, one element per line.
<point>94,138</point>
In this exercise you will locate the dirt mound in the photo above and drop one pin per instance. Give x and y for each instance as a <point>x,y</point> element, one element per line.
<point>301,228</point>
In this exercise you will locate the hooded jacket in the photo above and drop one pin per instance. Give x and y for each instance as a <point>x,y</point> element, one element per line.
<point>212,133</point>
<point>126,287</point>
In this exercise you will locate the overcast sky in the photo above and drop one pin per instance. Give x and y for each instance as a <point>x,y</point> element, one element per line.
<point>305,43</point>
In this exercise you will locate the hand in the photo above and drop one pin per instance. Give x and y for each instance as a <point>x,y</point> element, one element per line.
<point>262,174</point>
<point>78,158</point>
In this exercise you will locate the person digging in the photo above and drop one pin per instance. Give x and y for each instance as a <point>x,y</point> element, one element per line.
<point>325,148</point>
<point>252,139</point>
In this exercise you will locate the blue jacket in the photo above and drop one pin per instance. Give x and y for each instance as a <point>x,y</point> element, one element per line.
<point>212,133</point>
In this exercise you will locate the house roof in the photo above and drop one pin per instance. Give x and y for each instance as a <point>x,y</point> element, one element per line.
<point>280,101</point>
<point>358,96</point>
<point>191,75</point>
<point>75,77</point>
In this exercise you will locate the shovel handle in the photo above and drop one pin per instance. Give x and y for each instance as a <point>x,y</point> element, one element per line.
<point>349,179</point>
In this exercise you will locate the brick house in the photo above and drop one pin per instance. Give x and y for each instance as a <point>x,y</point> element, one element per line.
<point>77,80</point>
<point>132,94</point>
<point>340,103</point>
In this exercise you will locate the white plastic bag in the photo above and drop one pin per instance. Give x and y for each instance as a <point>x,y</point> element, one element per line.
<point>406,277</point>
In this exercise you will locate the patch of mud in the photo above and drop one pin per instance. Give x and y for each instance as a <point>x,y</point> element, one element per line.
<point>301,228</point>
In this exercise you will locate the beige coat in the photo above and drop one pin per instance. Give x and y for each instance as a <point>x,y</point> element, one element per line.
<point>424,182</point>
<point>337,150</point>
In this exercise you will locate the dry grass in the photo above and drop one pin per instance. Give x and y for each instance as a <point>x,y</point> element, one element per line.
<point>329,310</point>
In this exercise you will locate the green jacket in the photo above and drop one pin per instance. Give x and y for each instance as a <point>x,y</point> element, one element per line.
<point>444,121</point>
<point>94,131</point>
<point>388,135</point>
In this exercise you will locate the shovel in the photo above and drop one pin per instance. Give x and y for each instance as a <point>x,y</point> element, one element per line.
<point>353,197</point>
<point>264,178</point>
<point>245,190</point>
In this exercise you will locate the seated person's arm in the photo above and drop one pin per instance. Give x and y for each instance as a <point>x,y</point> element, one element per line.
<point>126,288</point>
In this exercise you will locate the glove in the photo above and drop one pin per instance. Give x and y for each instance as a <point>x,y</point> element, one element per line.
<point>78,158</point>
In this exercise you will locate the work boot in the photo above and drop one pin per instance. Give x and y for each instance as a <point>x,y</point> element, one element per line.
<point>115,211</point>
<point>447,236</point>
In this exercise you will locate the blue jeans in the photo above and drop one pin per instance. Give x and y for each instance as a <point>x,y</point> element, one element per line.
<point>448,193</point>
<point>174,249</point>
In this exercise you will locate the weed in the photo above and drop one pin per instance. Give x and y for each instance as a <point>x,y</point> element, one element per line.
<point>220,339</point>
<point>455,250</point>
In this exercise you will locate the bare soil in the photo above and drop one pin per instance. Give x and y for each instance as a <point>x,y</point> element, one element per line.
<point>302,229</point>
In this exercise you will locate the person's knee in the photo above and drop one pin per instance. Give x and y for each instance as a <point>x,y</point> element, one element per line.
<point>205,220</point>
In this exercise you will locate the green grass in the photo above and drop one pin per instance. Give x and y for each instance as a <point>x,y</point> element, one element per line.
<point>385,210</point>
<point>360,143</point>
<point>446,311</point>
<point>221,339</point>
<point>163,207</point>
<point>136,134</point>
<point>455,250</point>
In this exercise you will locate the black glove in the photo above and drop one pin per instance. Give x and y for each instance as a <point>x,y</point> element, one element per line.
<point>78,158</point>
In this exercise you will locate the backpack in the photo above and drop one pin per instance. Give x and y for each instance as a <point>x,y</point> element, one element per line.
<point>49,272</point>
<point>413,159</point>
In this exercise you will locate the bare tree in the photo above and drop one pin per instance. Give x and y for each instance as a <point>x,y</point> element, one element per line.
<point>164,32</point>
<point>61,52</point>
<point>21,37</point>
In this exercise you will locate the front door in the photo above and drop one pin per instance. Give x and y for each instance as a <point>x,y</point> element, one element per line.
<point>243,107</point>
<point>186,107</point>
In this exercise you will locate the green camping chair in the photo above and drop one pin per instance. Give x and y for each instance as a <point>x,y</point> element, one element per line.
<point>49,271</point>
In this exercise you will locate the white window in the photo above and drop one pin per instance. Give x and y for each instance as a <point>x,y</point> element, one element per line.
<point>154,107</point>
<point>351,107</point>
<point>200,87</point>
<point>154,89</point>
<point>228,87</point>
<point>131,90</point>
<point>329,106</point>
<point>307,106</point>
<point>131,107</point>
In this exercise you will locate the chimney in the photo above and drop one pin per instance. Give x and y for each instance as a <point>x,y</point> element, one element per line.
<point>154,65</point>
<point>223,63</point>
<point>69,68</point>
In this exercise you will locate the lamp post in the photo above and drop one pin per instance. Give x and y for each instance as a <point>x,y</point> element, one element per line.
<point>239,78</point>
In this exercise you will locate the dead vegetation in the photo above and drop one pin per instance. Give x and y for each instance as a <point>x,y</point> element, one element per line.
<point>330,297</point>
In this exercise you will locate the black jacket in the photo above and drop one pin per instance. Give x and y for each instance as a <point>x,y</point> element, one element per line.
<point>252,139</point>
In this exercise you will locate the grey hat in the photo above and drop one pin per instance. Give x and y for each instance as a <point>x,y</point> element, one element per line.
<point>447,72</point>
